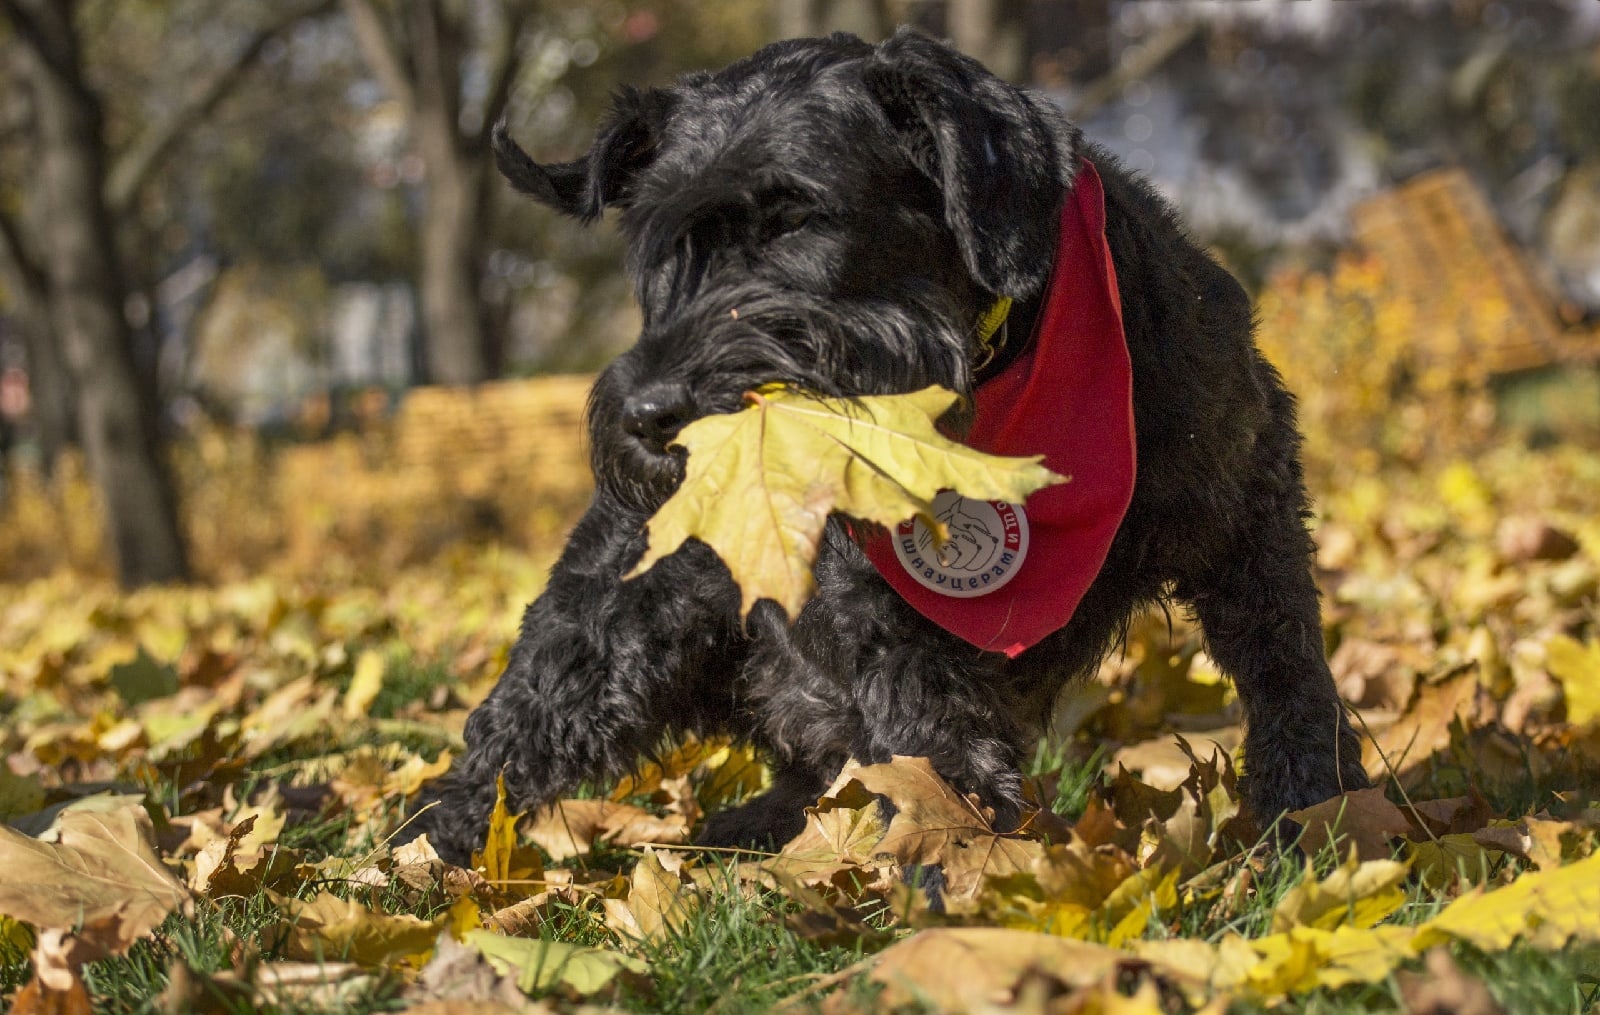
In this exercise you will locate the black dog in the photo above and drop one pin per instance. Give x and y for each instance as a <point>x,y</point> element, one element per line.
<point>840,216</point>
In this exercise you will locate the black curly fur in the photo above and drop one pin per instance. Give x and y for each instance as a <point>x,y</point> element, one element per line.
<point>837,216</point>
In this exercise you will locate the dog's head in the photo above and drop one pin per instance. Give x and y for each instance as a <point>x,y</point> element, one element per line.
<point>825,213</point>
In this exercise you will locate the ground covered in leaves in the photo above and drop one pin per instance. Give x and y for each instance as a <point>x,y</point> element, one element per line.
<point>199,784</point>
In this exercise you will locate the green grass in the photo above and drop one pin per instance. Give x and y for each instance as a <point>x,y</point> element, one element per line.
<point>736,956</point>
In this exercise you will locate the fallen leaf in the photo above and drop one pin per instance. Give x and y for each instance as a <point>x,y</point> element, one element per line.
<point>541,965</point>
<point>1539,841</point>
<point>572,827</point>
<point>962,969</point>
<point>327,927</point>
<point>37,999</point>
<point>458,980</point>
<point>365,684</point>
<point>1522,538</point>
<point>933,824</point>
<point>659,902</point>
<point>733,772</point>
<point>1423,729</point>
<point>1305,958</point>
<point>760,484</point>
<point>506,864</point>
<point>1577,667</point>
<point>101,880</point>
<point>1446,860</point>
<point>1450,816</point>
<point>1355,895</point>
<point>1206,969</point>
<point>1362,819</point>
<point>1547,908</point>
<point>1443,989</point>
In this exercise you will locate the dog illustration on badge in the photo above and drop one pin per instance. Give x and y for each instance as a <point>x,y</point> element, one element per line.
<point>985,544</point>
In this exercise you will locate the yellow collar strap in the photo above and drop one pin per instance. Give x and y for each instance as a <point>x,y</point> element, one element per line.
<point>992,332</point>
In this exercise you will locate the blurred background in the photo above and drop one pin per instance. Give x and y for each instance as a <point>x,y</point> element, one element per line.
<point>266,308</point>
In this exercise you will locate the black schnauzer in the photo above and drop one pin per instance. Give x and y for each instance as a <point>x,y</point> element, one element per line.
<point>840,217</point>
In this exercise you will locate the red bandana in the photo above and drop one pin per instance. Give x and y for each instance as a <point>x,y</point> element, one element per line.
<point>1009,576</point>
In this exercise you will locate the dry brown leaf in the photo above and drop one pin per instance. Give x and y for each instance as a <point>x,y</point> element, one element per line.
<point>1134,802</point>
<point>1443,989</point>
<point>520,919</point>
<point>328,927</point>
<point>459,980</point>
<point>1423,729</point>
<point>101,880</point>
<point>1539,841</point>
<point>845,825</point>
<point>233,867</point>
<point>966,969</point>
<point>660,901</point>
<point>1521,538</point>
<point>1374,674</point>
<point>37,999</point>
<point>1363,819</point>
<point>572,827</point>
<point>933,824</point>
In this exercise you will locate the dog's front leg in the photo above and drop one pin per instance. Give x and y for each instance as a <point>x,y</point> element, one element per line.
<point>594,679</point>
<point>924,692</point>
<point>1259,607</point>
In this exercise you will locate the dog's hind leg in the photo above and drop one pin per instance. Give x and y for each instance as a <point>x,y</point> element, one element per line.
<point>1259,607</point>
<point>593,679</point>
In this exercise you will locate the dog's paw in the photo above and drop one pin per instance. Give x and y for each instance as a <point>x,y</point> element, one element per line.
<point>764,823</point>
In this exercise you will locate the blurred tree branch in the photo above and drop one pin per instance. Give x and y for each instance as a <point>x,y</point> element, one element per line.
<point>130,172</point>
<point>1137,62</point>
<point>383,51</point>
<point>14,249</point>
<point>504,63</point>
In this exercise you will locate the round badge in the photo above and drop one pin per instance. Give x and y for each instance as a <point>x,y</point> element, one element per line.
<point>987,541</point>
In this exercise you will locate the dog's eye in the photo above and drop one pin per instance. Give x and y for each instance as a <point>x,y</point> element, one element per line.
<point>785,219</point>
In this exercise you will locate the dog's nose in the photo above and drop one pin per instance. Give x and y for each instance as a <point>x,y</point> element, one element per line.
<point>656,412</point>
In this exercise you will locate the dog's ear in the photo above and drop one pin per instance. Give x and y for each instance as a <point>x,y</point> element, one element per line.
<point>624,144</point>
<point>1002,157</point>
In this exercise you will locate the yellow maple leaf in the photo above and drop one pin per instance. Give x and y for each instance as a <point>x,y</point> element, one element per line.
<point>760,484</point>
<point>504,863</point>
<point>1355,895</point>
<point>365,685</point>
<point>1577,667</point>
<point>1304,958</point>
<point>1547,907</point>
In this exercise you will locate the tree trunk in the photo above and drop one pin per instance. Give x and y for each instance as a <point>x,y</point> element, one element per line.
<point>451,238</point>
<point>995,33</point>
<point>26,284</point>
<point>420,67</point>
<point>117,422</point>
<point>802,18</point>
<point>54,408</point>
